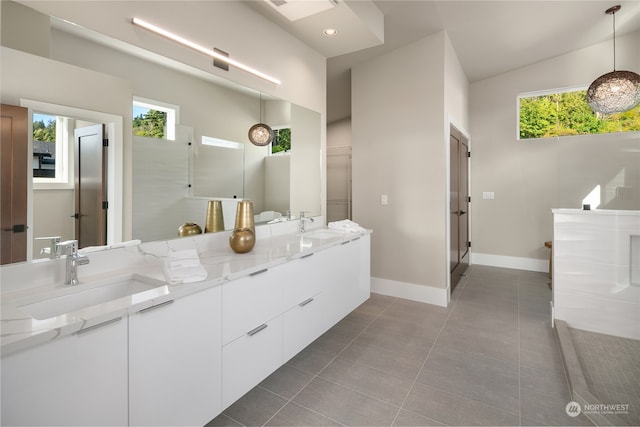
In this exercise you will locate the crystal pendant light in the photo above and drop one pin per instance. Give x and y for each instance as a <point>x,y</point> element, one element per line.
<point>616,91</point>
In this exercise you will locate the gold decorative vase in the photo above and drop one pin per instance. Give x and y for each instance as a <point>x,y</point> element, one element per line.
<point>189,229</point>
<point>214,221</point>
<point>243,238</point>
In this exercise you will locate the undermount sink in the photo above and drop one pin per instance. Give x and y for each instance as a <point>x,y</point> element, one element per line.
<point>135,287</point>
<point>322,234</point>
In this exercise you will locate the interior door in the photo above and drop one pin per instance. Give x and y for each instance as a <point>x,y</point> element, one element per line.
<point>459,204</point>
<point>13,183</point>
<point>91,186</point>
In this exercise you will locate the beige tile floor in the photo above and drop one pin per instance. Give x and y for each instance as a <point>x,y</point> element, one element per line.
<point>490,358</point>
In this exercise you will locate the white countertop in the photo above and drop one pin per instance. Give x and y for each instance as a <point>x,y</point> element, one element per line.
<point>20,330</point>
<point>595,212</point>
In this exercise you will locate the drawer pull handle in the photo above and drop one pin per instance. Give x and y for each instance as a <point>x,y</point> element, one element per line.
<point>353,240</point>
<point>153,307</point>
<point>305,302</point>
<point>258,329</point>
<point>344,243</point>
<point>255,273</point>
<point>99,325</point>
<point>306,256</point>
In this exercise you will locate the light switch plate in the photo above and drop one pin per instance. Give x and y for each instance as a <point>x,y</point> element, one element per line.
<point>488,195</point>
<point>384,199</point>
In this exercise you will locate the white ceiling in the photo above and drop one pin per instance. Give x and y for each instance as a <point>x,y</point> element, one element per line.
<point>490,37</point>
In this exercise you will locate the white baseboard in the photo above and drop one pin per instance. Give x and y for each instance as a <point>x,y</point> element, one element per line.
<point>530,264</point>
<point>410,291</point>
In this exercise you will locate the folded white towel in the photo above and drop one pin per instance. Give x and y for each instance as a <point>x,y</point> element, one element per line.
<point>183,259</point>
<point>184,267</point>
<point>346,225</point>
<point>185,275</point>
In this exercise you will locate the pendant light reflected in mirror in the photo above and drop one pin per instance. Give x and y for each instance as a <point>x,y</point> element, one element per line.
<point>261,134</point>
<point>616,91</point>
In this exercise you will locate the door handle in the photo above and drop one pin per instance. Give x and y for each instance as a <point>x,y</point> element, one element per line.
<point>18,228</point>
<point>75,215</point>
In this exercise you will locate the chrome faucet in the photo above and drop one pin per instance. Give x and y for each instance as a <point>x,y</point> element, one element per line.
<point>53,250</point>
<point>303,220</point>
<point>74,259</point>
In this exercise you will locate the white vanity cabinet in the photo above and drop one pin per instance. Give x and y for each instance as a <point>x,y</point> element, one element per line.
<point>175,361</point>
<point>347,280</point>
<point>77,380</point>
<point>272,315</point>
<point>183,361</point>
<point>304,302</point>
<point>251,330</point>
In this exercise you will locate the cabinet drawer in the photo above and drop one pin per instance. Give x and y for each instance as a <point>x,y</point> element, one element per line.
<point>250,359</point>
<point>175,362</point>
<point>80,379</point>
<point>250,301</point>
<point>303,324</point>
<point>305,278</point>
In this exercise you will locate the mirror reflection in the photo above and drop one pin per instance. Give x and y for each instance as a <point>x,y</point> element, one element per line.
<point>171,180</point>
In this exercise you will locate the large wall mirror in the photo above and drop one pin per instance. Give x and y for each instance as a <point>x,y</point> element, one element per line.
<point>171,179</point>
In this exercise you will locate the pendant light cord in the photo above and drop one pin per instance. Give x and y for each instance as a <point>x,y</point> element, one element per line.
<point>614,40</point>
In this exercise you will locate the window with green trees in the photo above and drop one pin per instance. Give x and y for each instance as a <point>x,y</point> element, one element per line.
<point>154,119</point>
<point>150,123</point>
<point>45,146</point>
<point>281,140</point>
<point>567,113</point>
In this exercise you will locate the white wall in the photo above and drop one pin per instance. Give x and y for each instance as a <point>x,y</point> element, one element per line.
<point>399,130</point>
<point>50,219</point>
<point>277,178</point>
<point>530,178</point>
<point>593,262</point>
<point>307,185</point>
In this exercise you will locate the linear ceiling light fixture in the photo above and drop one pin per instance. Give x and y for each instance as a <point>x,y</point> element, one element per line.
<point>616,91</point>
<point>210,52</point>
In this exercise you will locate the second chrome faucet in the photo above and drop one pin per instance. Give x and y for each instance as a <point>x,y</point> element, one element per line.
<point>303,221</point>
<point>74,259</point>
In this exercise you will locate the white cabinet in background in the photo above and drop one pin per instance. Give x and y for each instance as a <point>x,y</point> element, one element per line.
<point>251,358</point>
<point>251,301</point>
<point>270,317</point>
<point>347,280</point>
<point>304,302</point>
<point>303,323</point>
<point>251,330</point>
<point>78,380</point>
<point>175,361</point>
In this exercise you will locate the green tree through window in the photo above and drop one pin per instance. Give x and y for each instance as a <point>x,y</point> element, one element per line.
<point>567,113</point>
<point>281,141</point>
<point>44,132</point>
<point>151,124</point>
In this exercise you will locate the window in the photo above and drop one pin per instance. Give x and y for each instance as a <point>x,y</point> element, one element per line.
<point>154,119</point>
<point>566,112</point>
<point>281,141</point>
<point>51,161</point>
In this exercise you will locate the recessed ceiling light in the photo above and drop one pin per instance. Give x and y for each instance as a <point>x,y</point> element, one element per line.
<point>330,32</point>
